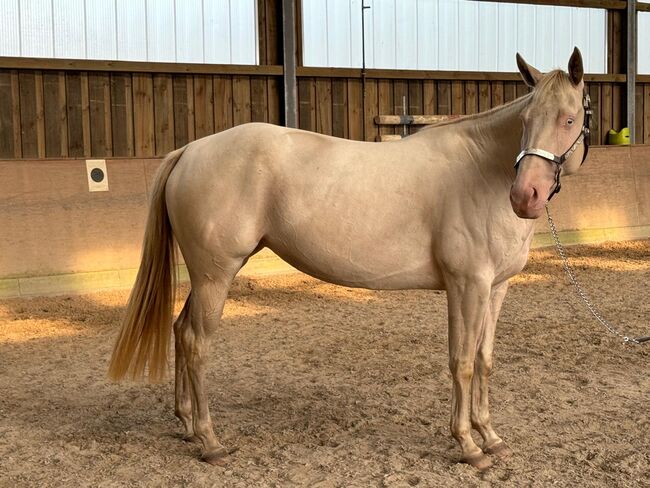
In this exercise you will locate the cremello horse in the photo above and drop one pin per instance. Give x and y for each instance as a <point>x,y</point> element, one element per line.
<point>432,211</point>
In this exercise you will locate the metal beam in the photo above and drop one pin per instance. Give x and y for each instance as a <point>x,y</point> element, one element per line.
<point>289,60</point>
<point>631,23</point>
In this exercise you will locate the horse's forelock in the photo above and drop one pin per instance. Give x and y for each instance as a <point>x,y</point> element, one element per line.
<point>554,82</point>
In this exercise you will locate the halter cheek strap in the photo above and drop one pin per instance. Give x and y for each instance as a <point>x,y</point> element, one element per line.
<point>583,138</point>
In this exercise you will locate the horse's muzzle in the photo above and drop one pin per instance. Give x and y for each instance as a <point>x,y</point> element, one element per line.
<point>526,202</point>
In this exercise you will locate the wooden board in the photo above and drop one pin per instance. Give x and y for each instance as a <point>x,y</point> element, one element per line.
<point>355,115</point>
<point>307,104</point>
<point>444,98</point>
<point>6,116</point>
<point>163,90</point>
<point>339,108</point>
<point>100,107</point>
<point>183,115</point>
<point>259,99</point>
<point>143,115</point>
<point>471,97</point>
<point>27,82</point>
<point>222,86</point>
<point>646,113</point>
<point>324,106</point>
<point>457,98</point>
<point>55,116</point>
<point>370,109</point>
<point>385,104</point>
<point>241,99</point>
<point>429,97</point>
<point>203,106</point>
<point>122,114</point>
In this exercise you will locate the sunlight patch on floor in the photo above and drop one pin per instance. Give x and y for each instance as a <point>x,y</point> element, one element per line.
<point>19,331</point>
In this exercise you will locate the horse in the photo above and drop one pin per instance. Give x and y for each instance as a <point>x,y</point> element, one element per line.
<point>443,209</point>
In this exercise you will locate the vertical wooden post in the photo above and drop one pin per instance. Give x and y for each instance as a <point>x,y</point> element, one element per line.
<point>630,80</point>
<point>289,61</point>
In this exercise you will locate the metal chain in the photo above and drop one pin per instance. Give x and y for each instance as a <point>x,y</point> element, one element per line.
<point>574,281</point>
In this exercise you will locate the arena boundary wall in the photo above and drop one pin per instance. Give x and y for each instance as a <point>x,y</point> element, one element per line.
<point>57,237</point>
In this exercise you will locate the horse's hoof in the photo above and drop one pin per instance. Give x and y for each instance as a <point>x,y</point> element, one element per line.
<point>500,450</point>
<point>190,438</point>
<point>218,457</point>
<point>479,461</point>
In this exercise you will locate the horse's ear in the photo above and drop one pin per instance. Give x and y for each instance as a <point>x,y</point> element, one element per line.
<point>530,75</point>
<point>576,71</point>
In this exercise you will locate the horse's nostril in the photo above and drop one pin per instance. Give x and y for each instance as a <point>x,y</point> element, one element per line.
<point>535,195</point>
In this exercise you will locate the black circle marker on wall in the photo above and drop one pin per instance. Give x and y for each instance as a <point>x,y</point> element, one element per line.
<point>97,175</point>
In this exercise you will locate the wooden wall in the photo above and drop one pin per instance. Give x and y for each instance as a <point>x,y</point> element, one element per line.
<point>85,113</point>
<point>344,107</point>
<point>54,114</point>
<point>52,224</point>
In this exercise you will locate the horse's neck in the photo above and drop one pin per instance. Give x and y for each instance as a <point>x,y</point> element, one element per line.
<point>495,137</point>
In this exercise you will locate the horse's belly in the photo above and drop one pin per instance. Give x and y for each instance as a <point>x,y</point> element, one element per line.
<point>361,263</point>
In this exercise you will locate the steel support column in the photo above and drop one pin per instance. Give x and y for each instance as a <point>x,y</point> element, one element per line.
<point>631,64</point>
<point>289,60</point>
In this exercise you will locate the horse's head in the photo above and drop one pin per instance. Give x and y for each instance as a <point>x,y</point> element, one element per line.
<point>555,135</point>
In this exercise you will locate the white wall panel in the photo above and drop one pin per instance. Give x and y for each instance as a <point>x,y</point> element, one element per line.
<point>338,25</point>
<point>10,29</point>
<point>488,46</point>
<point>69,30</point>
<point>184,31</point>
<point>131,30</point>
<point>161,31</point>
<point>315,27</point>
<point>189,31</point>
<point>643,47</point>
<point>36,36</point>
<point>453,35</point>
<point>427,38</point>
<point>101,34</point>
<point>243,31</point>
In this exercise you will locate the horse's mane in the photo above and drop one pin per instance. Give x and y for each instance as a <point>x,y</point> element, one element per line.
<point>553,81</point>
<point>478,115</point>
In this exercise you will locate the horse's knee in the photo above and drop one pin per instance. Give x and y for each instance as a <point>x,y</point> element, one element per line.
<point>484,364</point>
<point>461,369</point>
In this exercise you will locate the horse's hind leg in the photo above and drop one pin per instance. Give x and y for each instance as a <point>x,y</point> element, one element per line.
<point>209,292</point>
<point>492,443</point>
<point>183,402</point>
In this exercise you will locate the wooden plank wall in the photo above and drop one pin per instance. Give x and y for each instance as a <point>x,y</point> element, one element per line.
<point>73,113</point>
<point>344,107</point>
<point>54,114</point>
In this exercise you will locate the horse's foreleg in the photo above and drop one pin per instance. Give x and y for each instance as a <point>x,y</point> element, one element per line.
<point>467,302</point>
<point>492,443</point>
<point>206,306</point>
<point>183,402</point>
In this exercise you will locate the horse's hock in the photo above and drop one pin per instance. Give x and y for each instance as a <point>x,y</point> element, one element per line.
<point>59,237</point>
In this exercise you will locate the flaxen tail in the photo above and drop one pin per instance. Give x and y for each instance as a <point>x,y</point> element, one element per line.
<point>144,338</point>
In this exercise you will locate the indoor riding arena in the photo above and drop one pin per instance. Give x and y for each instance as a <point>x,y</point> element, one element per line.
<point>362,356</point>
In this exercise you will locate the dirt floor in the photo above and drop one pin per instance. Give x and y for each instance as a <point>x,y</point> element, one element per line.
<point>327,386</point>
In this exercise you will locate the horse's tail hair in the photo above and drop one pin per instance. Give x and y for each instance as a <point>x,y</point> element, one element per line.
<point>144,338</point>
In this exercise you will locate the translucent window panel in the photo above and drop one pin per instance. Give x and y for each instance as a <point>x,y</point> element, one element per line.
<point>451,35</point>
<point>183,31</point>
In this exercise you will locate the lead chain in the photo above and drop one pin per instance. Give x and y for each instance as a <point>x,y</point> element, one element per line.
<point>574,281</point>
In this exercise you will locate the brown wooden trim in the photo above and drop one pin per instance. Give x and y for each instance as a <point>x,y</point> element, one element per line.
<point>402,74</point>
<point>137,67</point>
<point>607,4</point>
<point>643,7</point>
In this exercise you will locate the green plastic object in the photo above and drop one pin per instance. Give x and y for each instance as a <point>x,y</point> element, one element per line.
<point>620,138</point>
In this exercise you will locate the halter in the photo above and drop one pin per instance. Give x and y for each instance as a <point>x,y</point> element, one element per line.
<point>583,137</point>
